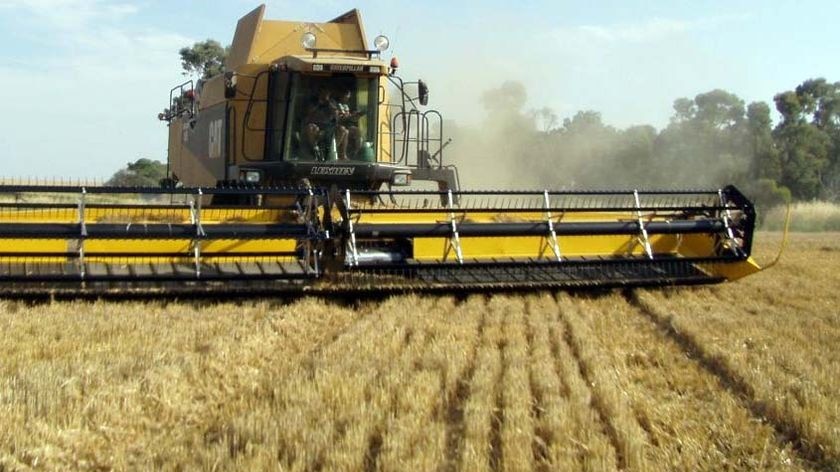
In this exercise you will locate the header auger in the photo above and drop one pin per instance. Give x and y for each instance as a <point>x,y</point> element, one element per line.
<point>299,171</point>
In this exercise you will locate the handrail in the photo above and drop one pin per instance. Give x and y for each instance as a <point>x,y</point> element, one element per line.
<point>421,138</point>
<point>175,105</point>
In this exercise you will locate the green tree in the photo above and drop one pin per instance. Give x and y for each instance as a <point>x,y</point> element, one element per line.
<point>684,110</point>
<point>819,100</point>
<point>706,142</point>
<point>584,121</point>
<point>805,150</point>
<point>808,138</point>
<point>140,173</point>
<point>766,194</point>
<point>585,150</point>
<point>719,109</point>
<point>633,153</point>
<point>767,163</point>
<point>204,59</point>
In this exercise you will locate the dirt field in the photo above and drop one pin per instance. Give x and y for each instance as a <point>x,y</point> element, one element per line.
<point>743,376</point>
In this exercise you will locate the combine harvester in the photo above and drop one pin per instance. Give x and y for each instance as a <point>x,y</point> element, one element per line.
<point>310,166</point>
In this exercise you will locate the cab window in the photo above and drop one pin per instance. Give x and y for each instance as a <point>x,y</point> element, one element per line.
<point>331,118</point>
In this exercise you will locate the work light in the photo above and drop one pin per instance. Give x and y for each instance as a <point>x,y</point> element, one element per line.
<point>308,40</point>
<point>381,43</point>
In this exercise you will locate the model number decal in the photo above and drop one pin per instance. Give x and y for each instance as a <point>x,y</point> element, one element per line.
<point>332,170</point>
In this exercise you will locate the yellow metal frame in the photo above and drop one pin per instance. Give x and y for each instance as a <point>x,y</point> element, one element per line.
<point>436,249</point>
<point>139,250</point>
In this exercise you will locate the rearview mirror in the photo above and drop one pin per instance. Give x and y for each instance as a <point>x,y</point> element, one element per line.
<point>423,91</point>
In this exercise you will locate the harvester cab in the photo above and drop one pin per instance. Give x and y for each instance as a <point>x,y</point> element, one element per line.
<point>305,104</point>
<point>297,171</point>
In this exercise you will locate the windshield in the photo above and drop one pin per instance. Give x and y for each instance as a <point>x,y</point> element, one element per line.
<point>331,118</point>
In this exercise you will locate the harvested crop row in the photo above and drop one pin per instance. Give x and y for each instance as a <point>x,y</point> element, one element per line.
<point>569,434</point>
<point>615,412</point>
<point>787,365</point>
<point>647,380</point>
<point>482,409</point>
<point>333,407</point>
<point>515,397</point>
<point>427,403</point>
<point>134,385</point>
<point>686,420</point>
<point>375,398</point>
<point>301,394</point>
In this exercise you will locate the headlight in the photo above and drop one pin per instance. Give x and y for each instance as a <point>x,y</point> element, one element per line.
<point>401,179</point>
<point>252,176</point>
<point>381,43</point>
<point>308,40</point>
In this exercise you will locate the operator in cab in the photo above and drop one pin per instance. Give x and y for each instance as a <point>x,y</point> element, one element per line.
<point>319,125</point>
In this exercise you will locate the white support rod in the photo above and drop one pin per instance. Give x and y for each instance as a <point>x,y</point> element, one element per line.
<point>354,255</point>
<point>82,233</point>
<point>552,235</point>
<point>199,232</point>
<point>727,223</point>
<point>455,239</point>
<point>307,214</point>
<point>310,206</point>
<point>197,256</point>
<point>643,229</point>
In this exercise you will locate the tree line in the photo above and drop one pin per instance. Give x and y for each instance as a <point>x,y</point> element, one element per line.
<point>712,139</point>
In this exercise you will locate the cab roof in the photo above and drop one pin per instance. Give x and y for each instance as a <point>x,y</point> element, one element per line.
<point>258,41</point>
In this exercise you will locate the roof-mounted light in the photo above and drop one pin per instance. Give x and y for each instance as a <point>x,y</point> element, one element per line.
<point>308,40</point>
<point>381,43</point>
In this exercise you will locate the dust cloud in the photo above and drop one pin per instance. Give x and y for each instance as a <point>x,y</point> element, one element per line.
<point>514,147</point>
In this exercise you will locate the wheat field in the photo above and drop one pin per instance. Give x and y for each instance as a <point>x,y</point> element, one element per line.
<point>740,376</point>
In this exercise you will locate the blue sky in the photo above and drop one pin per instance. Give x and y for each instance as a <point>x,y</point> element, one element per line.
<point>81,81</point>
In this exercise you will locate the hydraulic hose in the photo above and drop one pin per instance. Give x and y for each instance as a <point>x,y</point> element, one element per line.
<point>784,242</point>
